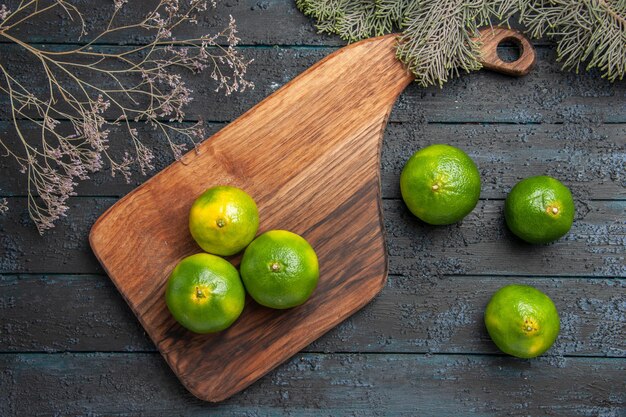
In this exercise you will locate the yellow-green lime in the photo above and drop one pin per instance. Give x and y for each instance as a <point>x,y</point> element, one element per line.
<point>522,321</point>
<point>539,209</point>
<point>440,184</point>
<point>279,269</point>
<point>204,293</point>
<point>223,220</point>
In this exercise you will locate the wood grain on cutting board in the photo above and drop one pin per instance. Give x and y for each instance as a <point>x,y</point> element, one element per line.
<point>309,155</point>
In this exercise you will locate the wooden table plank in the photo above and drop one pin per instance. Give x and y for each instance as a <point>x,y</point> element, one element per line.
<point>320,385</point>
<point>267,22</point>
<point>481,244</point>
<point>591,160</point>
<point>412,315</point>
<point>546,95</point>
<point>257,23</point>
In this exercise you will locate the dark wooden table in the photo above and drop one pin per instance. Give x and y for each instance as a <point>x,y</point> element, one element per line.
<point>69,345</point>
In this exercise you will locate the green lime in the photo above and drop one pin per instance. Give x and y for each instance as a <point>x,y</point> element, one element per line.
<point>539,209</point>
<point>204,293</point>
<point>440,184</point>
<point>279,269</point>
<point>223,220</point>
<point>522,321</point>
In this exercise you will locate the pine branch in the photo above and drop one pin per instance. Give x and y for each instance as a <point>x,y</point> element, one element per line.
<point>437,44</point>
<point>355,20</point>
<point>437,41</point>
<point>591,31</point>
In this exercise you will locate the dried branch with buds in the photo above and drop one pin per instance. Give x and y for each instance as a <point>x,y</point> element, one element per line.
<point>141,84</point>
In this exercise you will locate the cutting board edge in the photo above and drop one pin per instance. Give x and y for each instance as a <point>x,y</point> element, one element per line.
<point>379,284</point>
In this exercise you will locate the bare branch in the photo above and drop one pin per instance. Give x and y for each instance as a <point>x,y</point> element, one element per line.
<point>141,84</point>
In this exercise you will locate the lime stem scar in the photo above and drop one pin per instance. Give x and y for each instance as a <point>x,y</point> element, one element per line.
<point>275,267</point>
<point>435,187</point>
<point>220,223</point>
<point>553,210</point>
<point>199,293</point>
<point>530,325</point>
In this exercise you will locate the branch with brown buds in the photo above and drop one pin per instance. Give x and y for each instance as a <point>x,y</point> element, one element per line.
<point>140,84</point>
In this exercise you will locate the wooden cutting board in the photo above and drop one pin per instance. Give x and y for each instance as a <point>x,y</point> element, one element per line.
<point>309,155</point>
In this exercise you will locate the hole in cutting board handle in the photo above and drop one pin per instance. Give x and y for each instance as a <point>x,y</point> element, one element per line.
<point>491,38</point>
<point>510,50</point>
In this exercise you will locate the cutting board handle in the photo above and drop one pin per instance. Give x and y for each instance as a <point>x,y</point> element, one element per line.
<point>491,37</point>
